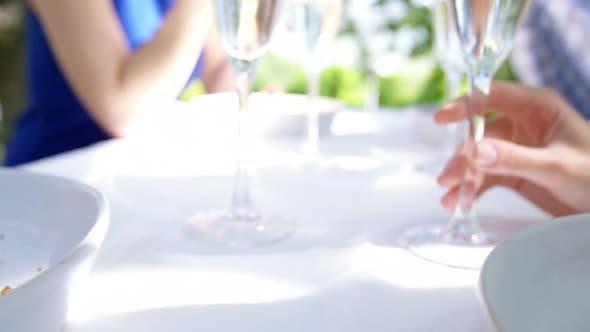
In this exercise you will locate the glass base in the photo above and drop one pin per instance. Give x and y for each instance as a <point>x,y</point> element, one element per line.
<point>434,243</point>
<point>243,229</point>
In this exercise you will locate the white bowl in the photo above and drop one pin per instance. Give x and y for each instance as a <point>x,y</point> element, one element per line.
<point>539,280</point>
<point>50,223</point>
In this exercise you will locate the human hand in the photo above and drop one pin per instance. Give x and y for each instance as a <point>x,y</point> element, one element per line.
<point>539,146</point>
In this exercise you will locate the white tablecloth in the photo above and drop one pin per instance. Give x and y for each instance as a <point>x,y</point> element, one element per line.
<point>341,271</point>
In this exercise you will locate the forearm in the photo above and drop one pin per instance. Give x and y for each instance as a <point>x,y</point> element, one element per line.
<point>112,82</point>
<point>571,182</point>
<point>158,71</point>
<point>218,75</point>
<point>220,79</point>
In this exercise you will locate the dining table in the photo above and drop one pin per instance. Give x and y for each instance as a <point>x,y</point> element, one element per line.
<point>343,268</point>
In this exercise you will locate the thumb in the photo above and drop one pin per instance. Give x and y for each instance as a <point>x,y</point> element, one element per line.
<point>499,157</point>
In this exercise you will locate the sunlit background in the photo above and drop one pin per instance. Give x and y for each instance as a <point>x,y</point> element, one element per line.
<point>397,58</point>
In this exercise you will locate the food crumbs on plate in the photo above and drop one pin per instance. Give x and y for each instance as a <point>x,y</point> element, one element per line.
<point>5,290</point>
<point>39,269</point>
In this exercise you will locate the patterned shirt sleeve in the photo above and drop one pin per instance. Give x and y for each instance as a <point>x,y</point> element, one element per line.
<point>553,49</point>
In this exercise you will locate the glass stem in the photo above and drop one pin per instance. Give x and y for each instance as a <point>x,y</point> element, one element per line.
<point>313,129</point>
<point>464,224</point>
<point>454,80</point>
<point>453,83</point>
<point>241,200</point>
<point>372,91</point>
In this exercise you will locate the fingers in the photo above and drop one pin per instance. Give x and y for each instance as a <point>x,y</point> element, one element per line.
<point>544,199</point>
<point>451,175</point>
<point>509,98</point>
<point>454,172</point>
<point>499,157</point>
<point>502,158</point>
<point>536,194</point>
<point>500,127</point>
<point>519,101</point>
<point>451,198</point>
<point>503,163</point>
<point>452,112</point>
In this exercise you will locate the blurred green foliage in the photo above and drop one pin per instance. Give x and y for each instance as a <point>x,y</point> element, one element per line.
<point>422,81</point>
<point>416,84</point>
<point>506,73</point>
<point>417,17</point>
<point>195,88</point>
<point>12,82</point>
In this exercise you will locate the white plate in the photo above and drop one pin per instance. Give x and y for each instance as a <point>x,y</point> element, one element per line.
<point>539,280</point>
<point>51,231</point>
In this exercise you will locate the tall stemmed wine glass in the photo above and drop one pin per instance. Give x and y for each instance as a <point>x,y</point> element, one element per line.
<point>246,27</point>
<point>485,30</point>
<point>368,19</point>
<point>316,23</point>
<point>447,49</point>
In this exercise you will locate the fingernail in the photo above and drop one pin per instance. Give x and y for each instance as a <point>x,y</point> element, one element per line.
<point>444,201</point>
<point>444,181</point>
<point>447,202</point>
<point>487,154</point>
<point>438,117</point>
<point>440,180</point>
<point>443,111</point>
<point>449,105</point>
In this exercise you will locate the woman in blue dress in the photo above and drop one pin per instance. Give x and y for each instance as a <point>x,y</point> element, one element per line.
<point>94,66</point>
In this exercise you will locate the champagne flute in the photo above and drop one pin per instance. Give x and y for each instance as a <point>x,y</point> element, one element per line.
<point>368,21</point>
<point>485,30</point>
<point>447,49</point>
<point>316,23</point>
<point>246,28</point>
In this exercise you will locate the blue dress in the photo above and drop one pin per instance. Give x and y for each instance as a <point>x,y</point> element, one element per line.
<point>54,120</point>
